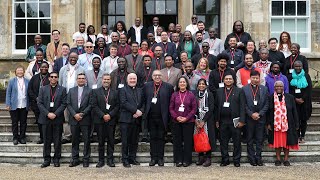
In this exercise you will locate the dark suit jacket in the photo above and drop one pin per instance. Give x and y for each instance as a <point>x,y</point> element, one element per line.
<point>58,64</point>
<point>98,103</point>
<point>85,107</point>
<point>138,64</point>
<point>75,49</point>
<point>105,52</point>
<point>237,104</point>
<point>169,49</point>
<point>128,105</point>
<point>60,103</point>
<point>213,62</point>
<point>195,48</point>
<point>114,78</point>
<point>263,103</point>
<point>132,33</point>
<point>33,90</point>
<point>165,92</point>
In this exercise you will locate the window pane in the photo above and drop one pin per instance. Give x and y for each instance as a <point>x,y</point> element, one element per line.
<point>32,26</point>
<point>32,9</point>
<point>111,7</point>
<point>160,7</point>
<point>44,9</point>
<point>111,21</point>
<point>276,25</point>
<point>20,26</point>
<point>45,26</point>
<point>289,25</point>
<point>19,10</point>
<point>212,7</point>
<point>290,8</point>
<point>302,8</point>
<point>199,6</point>
<point>302,25</point>
<point>120,7</point>
<point>171,7</point>
<point>277,8</point>
<point>276,35</point>
<point>293,37</point>
<point>30,40</point>
<point>212,21</point>
<point>46,39</point>
<point>20,42</point>
<point>149,7</point>
<point>302,40</point>
<point>120,18</point>
<point>202,18</point>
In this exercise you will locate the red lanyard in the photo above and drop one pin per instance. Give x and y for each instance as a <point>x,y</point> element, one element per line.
<point>292,61</point>
<point>227,95</point>
<point>221,74</point>
<point>134,63</point>
<point>165,47</point>
<point>145,74</point>
<point>206,56</point>
<point>206,76</point>
<point>275,78</point>
<point>239,38</point>
<point>156,91</point>
<point>254,93</point>
<point>124,51</point>
<point>106,40</point>
<point>95,76</point>
<point>182,99</point>
<point>232,54</point>
<point>37,65</point>
<point>43,79</point>
<point>79,51</point>
<point>111,64</point>
<point>101,53</point>
<point>211,45</point>
<point>72,72</point>
<point>88,59</point>
<point>52,95</point>
<point>107,97</point>
<point>158,64</point>
<point>121,78</point>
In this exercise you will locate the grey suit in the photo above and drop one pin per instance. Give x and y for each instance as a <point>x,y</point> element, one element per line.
<point>138,63</point>
<point>91,78</point>
<point>63,74</point>
<point>174,75</point>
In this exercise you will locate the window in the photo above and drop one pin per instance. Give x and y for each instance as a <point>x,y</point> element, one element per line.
<point>294,17</point>
<point>112,11</point>
<point>208,11</point>
<point>30,17</point>
<point>160,7</point>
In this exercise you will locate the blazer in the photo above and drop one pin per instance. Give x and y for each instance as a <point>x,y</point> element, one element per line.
<point>98,104</point>
<point>237,104</point>
<point>103,54</point>
<point>33,90</point>
<point>213,62</point>
<point>114,77</point>
<point>165,92</point>
<point>12,93</point>
<point>28,74</point>
<point>238,59</point>
<point>63,75</point>
<point>91,78</point>
<point>138,63</point>
<point>175,74</point>
<point>129,106</point>
<point>60,104</point>
<point>58,64</point>
<point>75,49</point>
<point>132,33</point>
<point>51,50</point>
<point>195,48</point>
<point>170,49</point>
<point>263,103</point>
<point>85,106</point>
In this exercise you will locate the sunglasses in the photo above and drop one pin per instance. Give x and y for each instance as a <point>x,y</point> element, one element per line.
<point>89,46</point>
<point>53,76</point>
<point>205,46</point>
<point>194,18</point>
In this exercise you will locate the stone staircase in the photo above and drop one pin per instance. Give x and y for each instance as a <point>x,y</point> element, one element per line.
<point>32,152</point>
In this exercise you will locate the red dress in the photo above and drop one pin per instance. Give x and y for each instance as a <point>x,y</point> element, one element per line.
<point>280,141</point>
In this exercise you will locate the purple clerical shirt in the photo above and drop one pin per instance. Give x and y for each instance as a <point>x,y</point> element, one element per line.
<point>189,102</point>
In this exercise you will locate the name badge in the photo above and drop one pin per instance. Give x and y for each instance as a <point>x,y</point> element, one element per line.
<point>120,86</point>
<point>238,43</point>
<point>36,73</point>
<point>297,91</point>
<point>181,109</point>
<point>94,86</point>
<point>232,62</point>
<point>51,104</point>
<point>291,71</point>
<point>226,104</point>
<point>154,100</point>
<point>108,106</point>
<point>221,85</point>
<point>255,102</point>
<point>249,81</point>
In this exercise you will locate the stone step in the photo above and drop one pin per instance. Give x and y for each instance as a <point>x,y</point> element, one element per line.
<point>6,119</point>
<point>8,127</point>
<point>36,158</point>
<point>315,117</point>
<point>313,126</point>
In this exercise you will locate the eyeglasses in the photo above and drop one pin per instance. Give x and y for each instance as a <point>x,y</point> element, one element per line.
<point>194,18</point>
<point>104,28</point>
<point>81,78</point>
<point>53,76</point>
<point>205,46</point>
<point>157,75</point>
<point>89,46</point>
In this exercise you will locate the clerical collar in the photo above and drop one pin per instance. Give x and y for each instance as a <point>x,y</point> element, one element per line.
<point>106,88</point>
<point>39,61</point>
<point>253,85</point>
<point>228,88</point>
<point>263,62</point>
<point>147,67</point>
<point>220,69</point>
<point>121,70</point>
<point>80,87</point>
<point>164,42</point>
<point>134,55</point>
<point>53,86</point>
<point>96,70</point>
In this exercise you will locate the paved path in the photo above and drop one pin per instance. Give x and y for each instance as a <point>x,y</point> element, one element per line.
<point>269,171</point>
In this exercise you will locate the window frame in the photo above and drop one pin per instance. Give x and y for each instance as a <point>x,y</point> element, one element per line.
<point>295,18</point>
<point>26,34</point>
<point>115,15</point>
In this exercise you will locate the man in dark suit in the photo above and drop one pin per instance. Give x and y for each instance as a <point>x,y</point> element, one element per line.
<point>256,107</point>
<point>236,56</point>
<point>229,103</point>
<point>155,24</point>
<point>157,99</point>
<point>205,54</point>
<point>134,59</point>
<point>78,104</point>
<point>119,75</point>
<point>60,62</point>
<point>105,107</point>
<point>168,48</point>
<point>158,60</point>
<point>52,101</point>
<point>137,32</point>
<point>131,110</point>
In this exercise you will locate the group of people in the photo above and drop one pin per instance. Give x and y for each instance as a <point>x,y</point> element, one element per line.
<point>154,81</point>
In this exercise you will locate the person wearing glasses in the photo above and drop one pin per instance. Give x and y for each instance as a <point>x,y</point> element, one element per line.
<point>85,60</point>
<point>52,102</point>
<point>205,54</point>
<point>53,51</point>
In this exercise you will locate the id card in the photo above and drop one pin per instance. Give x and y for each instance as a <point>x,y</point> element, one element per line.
<point>255,102</point>
<point>108,106</point>
<point>226,104</point>
<point>51,104</point>
<point>94,86</point>
<point>120,86</point>
<point>291,71</point>
<point>232,62</point>
<point>249,81</point>
<point>221,85</point>
<point>154,100</point>
<point>181,109</point>
<point>297,91</point>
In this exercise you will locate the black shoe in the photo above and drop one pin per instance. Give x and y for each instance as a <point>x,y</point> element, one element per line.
<point>179,164</point>
<point>207,163</point>
<point>74,163</point>
<point>117,141</point>
<point>252,163</point>
<point>45,164</point>
<point>22,141</point>
<point>224,163</point>
<point>100,164</point>
<point>186,164</point>
<point>65,141</point>
<point>15,142</point>
<point>126,164</point>
<point>40,141</point>
<point>110,163</point>
<point>85,164</point>
<point>56,164</point>
<point>277,163</point>
<point>134,162</point>
<point>259,163</point>
<point>236,164</point>
<point>160,162</point>
<point>152,162</point>
<point>286,163</point>
<point>200,161</point>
